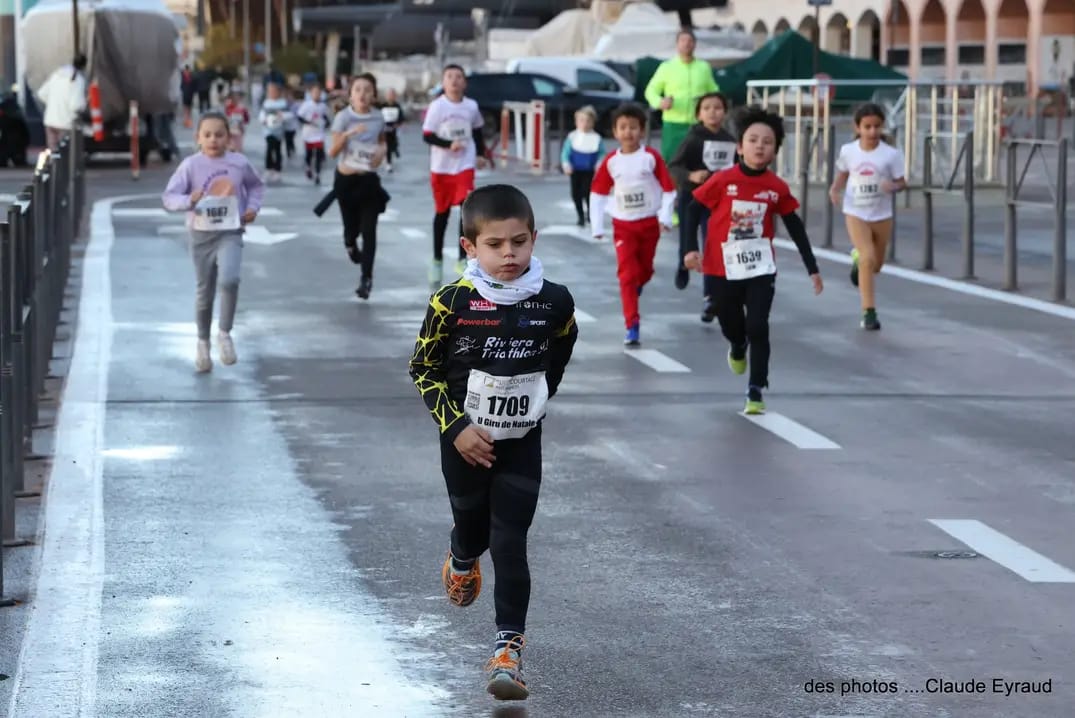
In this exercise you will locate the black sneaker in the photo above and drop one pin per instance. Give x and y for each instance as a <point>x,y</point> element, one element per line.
<point>869,321</point>
<point>364,288</point>
<point>683,278</point>
<point>709,312</point>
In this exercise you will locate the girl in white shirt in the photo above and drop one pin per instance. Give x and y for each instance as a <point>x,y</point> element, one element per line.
<point>868,172</point>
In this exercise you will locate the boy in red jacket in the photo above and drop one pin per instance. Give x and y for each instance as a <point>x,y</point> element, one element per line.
<point>645,194</point>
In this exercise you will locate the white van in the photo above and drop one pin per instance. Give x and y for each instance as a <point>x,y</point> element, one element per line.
<point>595,77</point>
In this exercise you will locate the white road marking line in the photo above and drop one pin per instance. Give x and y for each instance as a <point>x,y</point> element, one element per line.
<point>791,431</point>
<point>953,285</point>
<point>582,317</point>
<point>412,233</point>
<point>143,213</point>
<point>164,229</point>
<point>657,361</point>
<point>7,198</point>
<point>1009,553</point>
<point>67,598</point>
<point>259,234</point>
<point>569,230</point>
<point>271,212</point>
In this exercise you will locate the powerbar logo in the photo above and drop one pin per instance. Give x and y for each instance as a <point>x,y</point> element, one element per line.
<point>478,323</point>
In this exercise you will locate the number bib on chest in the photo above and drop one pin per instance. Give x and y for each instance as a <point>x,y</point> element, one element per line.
<point>390,114</point>
<point>632,199</point>
<point>746,258</point>
<point>865,189</point>
<point>216,214</point>
<point>506,406</point>
<point>360,156</point>
<point>717,155</point>
<point>453,130</point>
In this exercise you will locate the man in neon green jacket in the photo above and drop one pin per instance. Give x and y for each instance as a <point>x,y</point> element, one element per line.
<point>675,88</point>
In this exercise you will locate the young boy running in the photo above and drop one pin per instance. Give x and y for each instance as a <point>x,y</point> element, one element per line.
<point>453,128</point>
<point>645,194</point>
<point>491,351</point>
<point>740,276</point>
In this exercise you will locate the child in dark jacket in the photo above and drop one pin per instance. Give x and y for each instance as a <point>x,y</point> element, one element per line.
<point>708,148</point>
<point>582,152</point>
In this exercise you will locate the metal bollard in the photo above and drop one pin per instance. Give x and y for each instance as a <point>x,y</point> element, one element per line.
<point>968,207</point>
<point>9,444</point>
<point>1011,272</point>
<point>830,176</point>
<point>927,197</point>
<point>804,179</point>
<point>1060,238</point>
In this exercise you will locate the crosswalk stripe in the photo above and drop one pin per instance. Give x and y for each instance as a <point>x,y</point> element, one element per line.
<point>791,431</point>
<point>1009,553</point>
<point>657,361</point>
<point>584,317</point>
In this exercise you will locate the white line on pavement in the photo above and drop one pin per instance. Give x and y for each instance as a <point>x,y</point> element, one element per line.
<point>657,361</point>
<point>412,233</point>
<point>260,234</point>
<point>791,431</point>
<point>1009,553</point>
<point>582,317</point>
<point>570,230</point>
<point>67,598</point>
<point>142,213</point>
<point>953,285</point>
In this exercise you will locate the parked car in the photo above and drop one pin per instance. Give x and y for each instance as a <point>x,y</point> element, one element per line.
<point>14,132</point>
<point>492,90</point>
<point>592,76</point>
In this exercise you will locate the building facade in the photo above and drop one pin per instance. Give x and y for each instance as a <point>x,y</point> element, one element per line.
<point>1022,42</point>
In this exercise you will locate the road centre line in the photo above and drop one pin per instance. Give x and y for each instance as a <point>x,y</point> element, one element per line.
<point>791,431</point>
<point>1005,551</point>
<point>657,361</point>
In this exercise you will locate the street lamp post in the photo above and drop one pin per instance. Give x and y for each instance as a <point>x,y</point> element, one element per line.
<point>817,5</point>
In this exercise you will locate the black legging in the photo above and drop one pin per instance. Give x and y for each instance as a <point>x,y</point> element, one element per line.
<point>273,158</point>
<point>693,217</point>
<point>580,192</point>
<point>743,312</point>
<point>315,157</point>
<point>361,200</point>
<point>440,227</point>
<point>493,509</point>
<point>392,140</point>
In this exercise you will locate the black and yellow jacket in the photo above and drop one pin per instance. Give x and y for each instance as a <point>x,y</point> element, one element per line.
<point>464,331</point>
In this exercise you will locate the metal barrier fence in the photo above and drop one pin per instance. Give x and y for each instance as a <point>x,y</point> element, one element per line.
<point>1059,195</point>
<point>35,260</point>
<point>964,160</point>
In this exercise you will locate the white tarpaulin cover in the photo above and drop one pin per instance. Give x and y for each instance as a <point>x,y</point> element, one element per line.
<point>643,29</point>
<point>131,46</point>
<point>572,32</point>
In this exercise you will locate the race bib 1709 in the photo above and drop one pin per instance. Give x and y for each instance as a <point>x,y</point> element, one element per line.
<point>506,406</point>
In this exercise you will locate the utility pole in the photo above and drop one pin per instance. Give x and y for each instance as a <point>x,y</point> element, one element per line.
<point>74,25</point>
<point>817,31</point>
<point>246,48</point>
<point>268,33</point>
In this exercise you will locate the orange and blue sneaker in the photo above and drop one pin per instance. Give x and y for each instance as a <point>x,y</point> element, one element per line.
<point>462,587</point>
<point>505,668</point>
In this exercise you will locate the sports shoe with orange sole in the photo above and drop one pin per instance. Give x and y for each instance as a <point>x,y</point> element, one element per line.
<point>505,672</point>
<point>462,588</point>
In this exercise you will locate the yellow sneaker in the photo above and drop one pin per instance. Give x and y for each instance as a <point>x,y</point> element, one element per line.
<point>462,588</point>
<point>738,366</point>
<point>505,672</point>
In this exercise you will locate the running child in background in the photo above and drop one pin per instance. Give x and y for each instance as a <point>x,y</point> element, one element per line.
<point>393,119</point>
<point>221,193</point>
<point>871,170</point>
<point>291,122</point>
<point>453,129</point>
<point>708,148</point>
<point>491,352</point>
<point>273,116</point>
<point>358,141</point>
<point>644,196</point>
<point>740,267</point>
<point>238,117</point>
<point>583,150</point>
<point>313,114</point>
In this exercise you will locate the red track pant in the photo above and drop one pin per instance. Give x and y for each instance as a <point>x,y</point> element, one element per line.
<point>636,245</point>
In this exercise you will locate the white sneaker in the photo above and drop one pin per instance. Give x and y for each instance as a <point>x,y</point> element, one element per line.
<point>202,361</point>
<point>226,348</point>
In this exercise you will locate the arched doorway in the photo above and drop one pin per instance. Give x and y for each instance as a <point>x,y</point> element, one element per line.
<point>868,36</point>
<point>931,37</point>
<point>807,27</point>
<point>838,35</point>
<point>760,33</point>
<point>1058,44</point>
<point>899,35</point>
<point>970,32</point>
<point>781,27</point>
<point>1013,20</point>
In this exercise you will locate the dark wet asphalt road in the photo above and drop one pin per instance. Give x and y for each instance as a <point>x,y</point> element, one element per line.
<point>273,532</point>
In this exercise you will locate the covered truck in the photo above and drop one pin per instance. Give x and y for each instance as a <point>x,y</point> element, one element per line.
<point>133,51</point>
